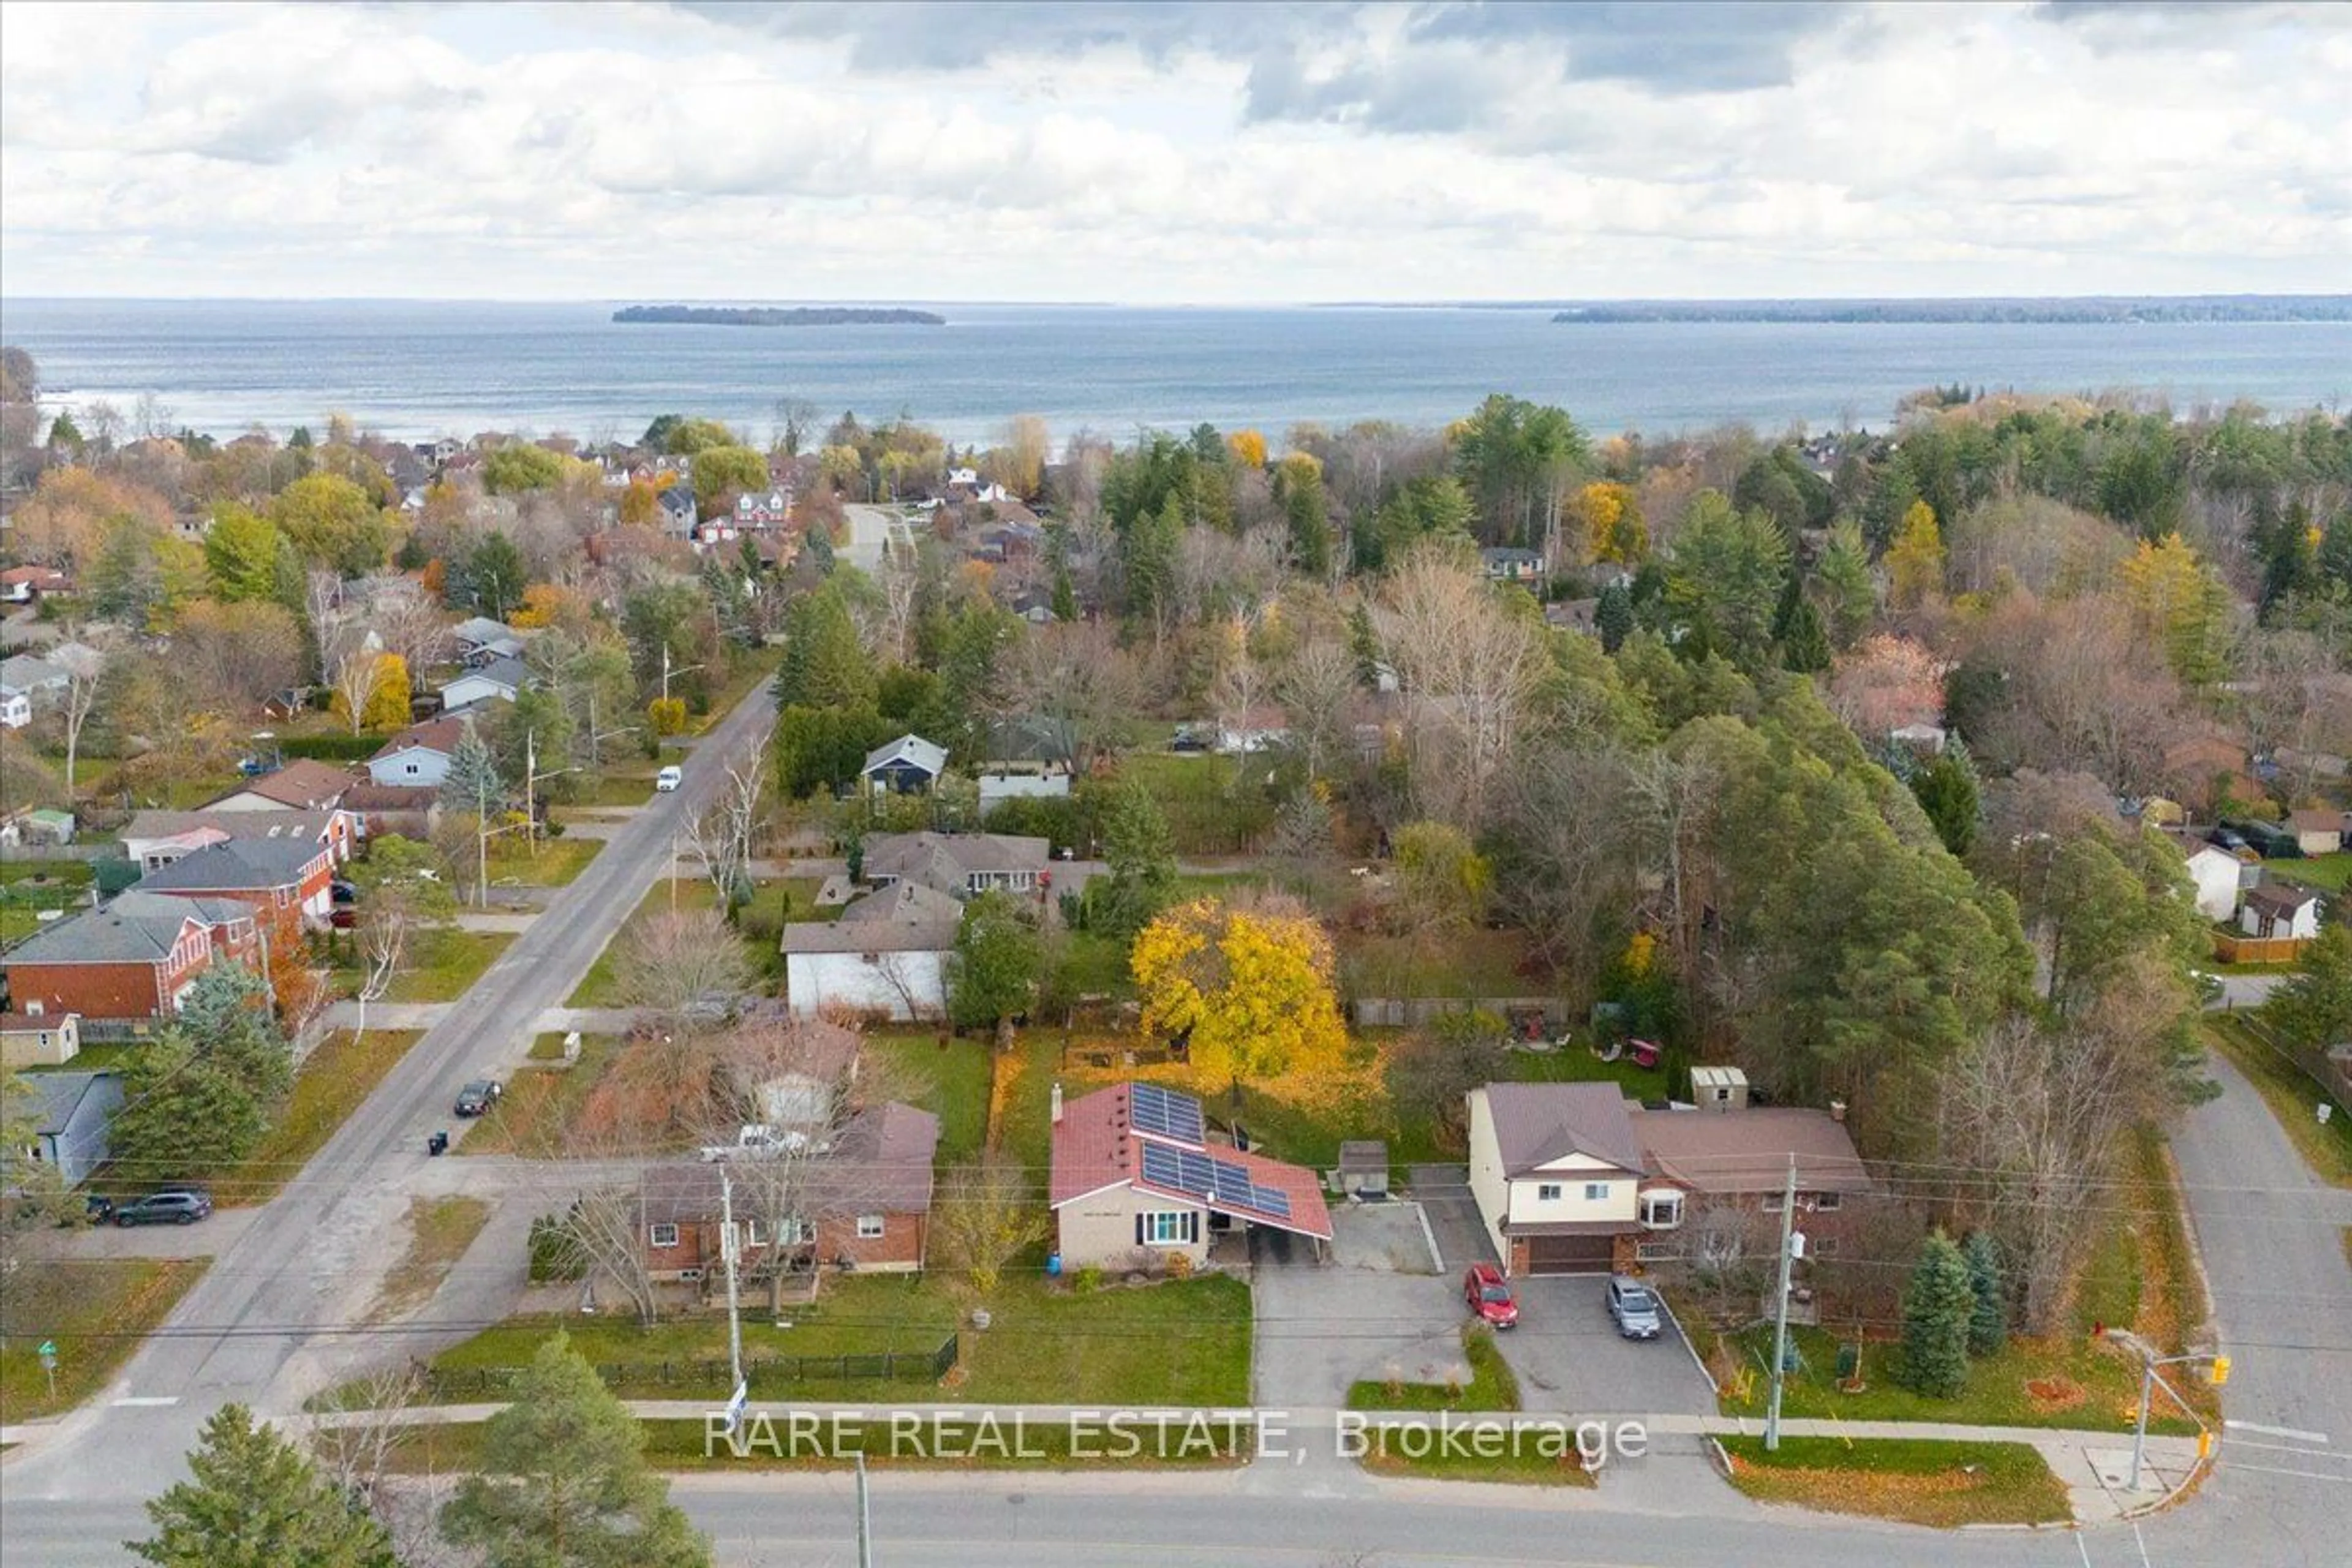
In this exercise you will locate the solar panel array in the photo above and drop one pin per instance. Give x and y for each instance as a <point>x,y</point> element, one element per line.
<point>1201,1176</point>
<point>1166,1114</point>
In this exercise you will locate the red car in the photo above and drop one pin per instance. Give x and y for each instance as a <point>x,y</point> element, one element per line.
<point>1487,1293</point>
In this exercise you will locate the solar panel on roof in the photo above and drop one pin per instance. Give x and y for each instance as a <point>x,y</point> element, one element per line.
<point>1232,1178</point>
<point>1165,1114</point>
<point>1160,1166</point>
<point>1272,1200</point>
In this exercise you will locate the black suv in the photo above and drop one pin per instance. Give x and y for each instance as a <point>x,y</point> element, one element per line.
<point>180,1205</point>
<point>476,1098</point>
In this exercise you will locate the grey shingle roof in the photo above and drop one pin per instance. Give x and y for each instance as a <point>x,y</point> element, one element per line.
<point>136,928</point>
<point>908,918</point>
<point>292,824</point>
<point>257,863</point>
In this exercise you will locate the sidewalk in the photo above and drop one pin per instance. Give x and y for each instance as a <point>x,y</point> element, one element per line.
<point>345,1014</point>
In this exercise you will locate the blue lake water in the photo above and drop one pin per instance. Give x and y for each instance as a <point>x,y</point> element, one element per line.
<point>418,369</point>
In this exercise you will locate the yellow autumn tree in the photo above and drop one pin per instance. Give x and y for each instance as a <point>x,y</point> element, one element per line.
<point>544,604</point>
<point>1915,562</point>
<point>667,715</point>
<point>387,700</point>
<point>1249,447</point>
<point>2179,606</point>
<point>640,504</point>
<point>1247,986</point>
<point>1613,526</point>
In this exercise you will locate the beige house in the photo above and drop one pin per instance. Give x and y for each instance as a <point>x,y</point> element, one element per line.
<point>1556,1172</point>
<point>1135,1182</point>
<point>38,1039</point>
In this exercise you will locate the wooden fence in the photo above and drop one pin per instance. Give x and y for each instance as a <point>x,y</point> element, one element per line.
<point>2232,948</point>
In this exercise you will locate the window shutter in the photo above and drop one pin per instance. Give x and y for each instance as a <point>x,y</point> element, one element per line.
<point>1192,1226</point>
<point>1139,1230</point>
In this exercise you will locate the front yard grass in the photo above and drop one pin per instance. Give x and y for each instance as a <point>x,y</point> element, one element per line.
<point>2069,1383</point>
<point>1540,1455</point>
<point>2327,873</point>
<point>949,1080</point>
<point>439,1231</point>
<point>1179,1343</point>
<point>96,1310</point>
<point>533,1116</point>
<point>443,967</point>
<point>1943,1485</point>
<point>596,988</point>
<point>1492,1385</point>
<point>2293,1097</point>
<point>555,863</point>
<point>342,1072</point>
<point>947,1442</point>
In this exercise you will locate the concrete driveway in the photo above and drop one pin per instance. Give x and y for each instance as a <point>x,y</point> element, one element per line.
<point>1569,1356</point>
<point>1444,1193</point>
<point>1321,1327</point>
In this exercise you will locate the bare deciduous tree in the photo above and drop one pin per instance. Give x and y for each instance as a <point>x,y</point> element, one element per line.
<point>685,965</point>
<point>411,626</point>
<point>722,832</point>
<point>1467,671</point>
<point>1081,686</point>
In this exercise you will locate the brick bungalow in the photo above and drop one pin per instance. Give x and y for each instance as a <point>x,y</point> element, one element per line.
<point>131,961</point>
<point>290,881</point>
<point>869,1202</point>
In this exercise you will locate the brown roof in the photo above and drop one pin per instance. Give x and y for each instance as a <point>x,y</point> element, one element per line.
<point>1095,1145</point>
<point>880,1163</point>
<point>305,783</point>
<point>1537,1123</point>
<point>1742,1151</point>
<point>2270,899</point>
<point>30,1023</point>
<point>379,798</point>
<point>2316,819</point>
<point>435,734</point>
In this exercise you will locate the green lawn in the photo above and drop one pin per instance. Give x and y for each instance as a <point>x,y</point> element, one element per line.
<point>554,863</point>
<point>540,1103</point>
<point>1476,962</point>
<point>2327,873</point>
<point>1178,1343</point>
<point>439,1231</point>
<point>596,988</point>
<point>1540,1455</point>
<point>952,1083</point>
<point>1492,1385</point>
<point>2293,1097</point>
<point>442,965</point>
<point>97,1311</point>
<point>29,887</point>
<point>1943,1485</point>
<point>2084,1386</point>
<point>1207,812</point>
<point>610,788</point>
<point>341,1072</point>
<point>950,1442</point>
<point>114,1056</point>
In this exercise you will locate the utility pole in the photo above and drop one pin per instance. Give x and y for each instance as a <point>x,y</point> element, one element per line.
<point>2217,1372</point>
<point>482,839</point>
<point>666,672</point>
<point>865,1518</point>
<point>728,1251</point>
<point>1780,1308</point>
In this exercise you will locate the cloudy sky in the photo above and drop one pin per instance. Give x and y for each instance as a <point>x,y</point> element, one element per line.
<point>1175,152</point>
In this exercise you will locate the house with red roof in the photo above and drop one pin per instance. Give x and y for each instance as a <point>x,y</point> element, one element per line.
<point>1136,1181</point>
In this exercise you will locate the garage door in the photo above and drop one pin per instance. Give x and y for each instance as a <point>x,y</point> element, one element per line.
<point>1569,1254</point>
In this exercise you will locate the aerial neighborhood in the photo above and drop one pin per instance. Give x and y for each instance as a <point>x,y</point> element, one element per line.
<point>1731,932</point>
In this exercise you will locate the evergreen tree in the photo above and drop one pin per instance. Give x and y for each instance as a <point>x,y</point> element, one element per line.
<point>473,781</point>
<point>1066,597</point>
<point>1804,645</point>
<point>185,1113</point>
<point>1946,791</point>
<point>1936,1308</point>
<point>1141,855</point>
<point>1612,617</point>
<point>993,975</point>
<point>227,1016</point>
<point>1844,573</point>
<point>825,664</point>
<point>257,1501</point>
<point>1147,555</point>
<point>1988,1322</point>
<point>1306,510</point>
<point>563,1481</point>
<point>494,577</point>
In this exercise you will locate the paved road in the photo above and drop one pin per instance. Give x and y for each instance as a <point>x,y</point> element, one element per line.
<point>871,529</point>
<point>313,1258</point>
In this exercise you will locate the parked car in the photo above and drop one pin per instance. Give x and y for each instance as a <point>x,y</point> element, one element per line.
<point>1634,1308</point>
<point>668,779</point>
<point>1488,1296</point>
<point>1189,740</point>
<point>343,893</point>
<point>183,1205</point>
<point>344,918</point>
<point>476,1098</point>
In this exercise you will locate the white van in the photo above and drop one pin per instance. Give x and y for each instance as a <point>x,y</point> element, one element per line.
<point>668,779</point>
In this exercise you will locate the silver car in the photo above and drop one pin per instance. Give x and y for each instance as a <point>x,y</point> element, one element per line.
<point>1635,1307</point>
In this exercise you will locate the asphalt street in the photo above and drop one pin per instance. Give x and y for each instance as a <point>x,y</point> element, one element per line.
<point>295,1269</point>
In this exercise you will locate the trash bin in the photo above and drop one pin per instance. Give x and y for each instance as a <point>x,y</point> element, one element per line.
<point>437,1144</point>
<point>1052,1266</point>
<point>1849,1361</point>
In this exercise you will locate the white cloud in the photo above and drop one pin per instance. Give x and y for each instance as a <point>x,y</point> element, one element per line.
<point>1033,151</point>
